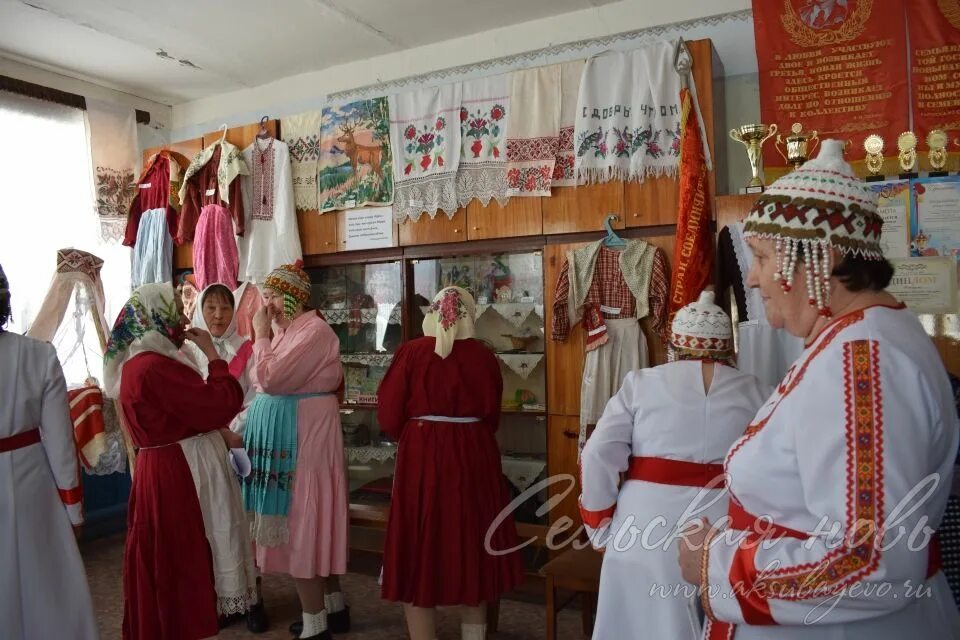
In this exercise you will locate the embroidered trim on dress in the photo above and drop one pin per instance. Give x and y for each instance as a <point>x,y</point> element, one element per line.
<point>262,174</point>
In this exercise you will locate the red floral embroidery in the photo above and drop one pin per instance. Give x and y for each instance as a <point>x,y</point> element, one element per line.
<point>463,114</point>
<point>410,132</point>
<point>441,123</point>
<point>497,112</point>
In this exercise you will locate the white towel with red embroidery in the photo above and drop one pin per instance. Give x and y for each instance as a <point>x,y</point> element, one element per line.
<point>425,135</point>
<point>484,120</point>
<point>564,170</point>
<point>628,115</point>
<point>534,130</point>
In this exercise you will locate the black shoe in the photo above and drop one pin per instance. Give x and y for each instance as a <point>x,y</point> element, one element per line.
<point>226,621</point>
<point>339,622</point>
<point>257,620</point>
<point>325,635</point>
<point>296,628</point>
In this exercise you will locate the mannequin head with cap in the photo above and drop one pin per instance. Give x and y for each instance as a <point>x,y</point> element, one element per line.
<point>4,300</point>
<point>817,257</point>
<point>702,331</point>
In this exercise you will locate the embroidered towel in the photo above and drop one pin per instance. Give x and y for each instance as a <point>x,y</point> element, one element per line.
<point>484,118</point>
<point>355,166</point>
<point>302,134</point>
<point>534,130</point>
<point>112,132</point>
<point>564,169</point>
<point>628,115</point>
<point>426,138</point>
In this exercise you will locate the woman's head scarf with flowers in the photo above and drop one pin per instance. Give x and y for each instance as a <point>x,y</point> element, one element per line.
<point>450,319</point>
<point>149,322</point>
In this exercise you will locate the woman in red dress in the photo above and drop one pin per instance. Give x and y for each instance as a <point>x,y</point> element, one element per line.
<point>168,590</point>
<point>441,401</point>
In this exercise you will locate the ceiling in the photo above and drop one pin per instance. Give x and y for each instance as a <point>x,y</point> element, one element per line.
<point>180,50</point>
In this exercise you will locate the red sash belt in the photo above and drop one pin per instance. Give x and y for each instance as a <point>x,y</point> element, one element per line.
<point>742,520</point>
<point>20,440</point>
<point>676,472</point>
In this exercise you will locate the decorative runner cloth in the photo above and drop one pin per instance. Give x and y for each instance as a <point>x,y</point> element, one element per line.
<point>302,134</point>
<point>534,130</point>
<point>426,138</point>
<point>522,364</point>
<point>484,123</point>
<point>89,427</point>
<point>564,170</point>
<point>628,115</point>
<point>356,165</point>
<point>113,153</point>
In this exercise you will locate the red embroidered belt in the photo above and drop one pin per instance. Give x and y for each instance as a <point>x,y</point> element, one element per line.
<point>743,520</point>
<point>676,472</point>
<point>20,440</point>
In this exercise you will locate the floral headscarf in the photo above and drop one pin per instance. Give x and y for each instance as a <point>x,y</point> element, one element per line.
<point>149,321</point>
<point>450,319</point>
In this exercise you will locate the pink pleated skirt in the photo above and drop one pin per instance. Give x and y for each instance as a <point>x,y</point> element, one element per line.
<point>215,255</point>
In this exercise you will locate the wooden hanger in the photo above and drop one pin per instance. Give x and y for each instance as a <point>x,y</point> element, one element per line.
<point>263,133</point>
<point>613,241</point>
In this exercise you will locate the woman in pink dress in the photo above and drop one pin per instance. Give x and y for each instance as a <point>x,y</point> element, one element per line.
<point>297,493</point>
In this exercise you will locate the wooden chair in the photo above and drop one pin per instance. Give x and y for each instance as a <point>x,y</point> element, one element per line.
<point>578,571</point>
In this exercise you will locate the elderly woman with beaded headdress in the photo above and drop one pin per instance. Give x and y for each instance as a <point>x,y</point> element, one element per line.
<point>666,430</point>
<point>44,586</point>
<point>839,483</point>
<point>296,495</point>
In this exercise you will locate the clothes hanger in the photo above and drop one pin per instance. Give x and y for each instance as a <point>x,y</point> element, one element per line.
<point>263,134</point>
<point>223,128</point>
<point>613,241</point>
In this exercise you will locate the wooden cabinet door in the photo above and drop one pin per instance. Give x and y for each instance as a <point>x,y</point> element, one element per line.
<point>520,217</point>
<point>439,230</point>
<point>652,202</point>
<point>563,469</point>
<point>732,209</point>
<point>583,208</point>
<point>318,233</point>
<point>564,359</point>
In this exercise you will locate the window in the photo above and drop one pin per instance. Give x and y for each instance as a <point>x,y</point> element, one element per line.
<point>47,188</point>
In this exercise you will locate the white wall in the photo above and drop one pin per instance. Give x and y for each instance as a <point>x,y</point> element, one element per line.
<point>306,91</point>
<point>161,115</point>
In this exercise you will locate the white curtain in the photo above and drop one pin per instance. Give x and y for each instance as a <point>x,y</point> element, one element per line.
<point>48,204</point>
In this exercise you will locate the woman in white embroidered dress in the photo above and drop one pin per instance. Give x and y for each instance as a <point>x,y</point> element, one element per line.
<point>849,463</point>
<point>667,429</point>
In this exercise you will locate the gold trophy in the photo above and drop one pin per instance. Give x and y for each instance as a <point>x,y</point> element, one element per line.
<point>752,136</point>
<point>937,151</point>
<point>907,143</point>
<point>797,145</point>
<point>873,145</point>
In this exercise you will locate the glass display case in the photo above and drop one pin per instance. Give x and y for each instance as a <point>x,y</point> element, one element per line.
<point>364,304</point>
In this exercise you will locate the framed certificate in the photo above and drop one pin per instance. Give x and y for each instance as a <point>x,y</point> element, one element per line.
<point>926,285</point>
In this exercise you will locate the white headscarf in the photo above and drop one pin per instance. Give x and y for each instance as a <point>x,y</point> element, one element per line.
<point>450,319</point>
<point>148,322</point>
<point>227,345</point>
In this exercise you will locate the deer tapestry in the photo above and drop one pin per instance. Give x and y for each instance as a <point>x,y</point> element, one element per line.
<point>356,167</point>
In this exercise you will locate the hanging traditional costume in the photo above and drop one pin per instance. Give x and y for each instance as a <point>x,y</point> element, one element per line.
<point>212,203</point>
<point>152,221</point>
<point>271,236</point>
<point>296,496</point>
<point>668,435</point>
<point>440,400</point>
<point>850,460</point>
<point>80,341</point>
<point>763,350</point>
<point>44,586</point>
<point>610,291</point>
<point>235,350</point>
<point>187,557</point>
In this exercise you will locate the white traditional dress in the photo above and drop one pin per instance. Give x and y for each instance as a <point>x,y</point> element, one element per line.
<point>763,350</point>
<point>862,419</point>
<point>669,437</point>
<point>42,580</point>
<point>271,236</point>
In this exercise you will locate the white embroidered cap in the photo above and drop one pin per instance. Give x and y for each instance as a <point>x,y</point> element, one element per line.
<point>702,326</point>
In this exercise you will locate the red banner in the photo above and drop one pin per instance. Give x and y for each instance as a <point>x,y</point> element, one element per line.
<point>835,66</point>
<point>693,246</point>
<point>935,66</point>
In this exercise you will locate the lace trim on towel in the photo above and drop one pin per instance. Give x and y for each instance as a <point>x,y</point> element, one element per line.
<point>427,195</point>
<point>484,181</point>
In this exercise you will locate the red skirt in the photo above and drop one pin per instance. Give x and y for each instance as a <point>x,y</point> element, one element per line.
<point>447,491</point>
<point>168,591</point>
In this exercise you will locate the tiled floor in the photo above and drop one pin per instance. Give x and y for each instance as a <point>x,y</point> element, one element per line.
<point>373,619</point>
